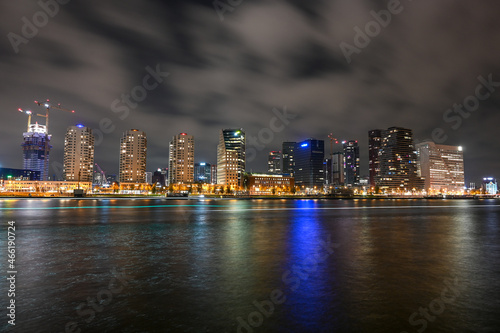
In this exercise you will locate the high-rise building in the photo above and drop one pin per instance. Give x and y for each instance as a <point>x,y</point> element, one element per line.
<point>351,162</point>
<point>133,153</point>
<point>78,163</point>
<point>337,169</point>
<point>441,166</point>
<point>274,162</point>
<point>203,173</point>
<point>36,150</point>
<point>181,159</point>
<point>398,161</point>
<point>328,171</point>
<point>288,157</point>
<point>309,156</point>
<point>149,177</point>
<point>231,157</point>
<point>213,174</point>
<point>374,144</point>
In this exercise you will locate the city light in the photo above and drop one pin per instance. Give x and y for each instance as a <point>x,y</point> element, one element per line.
<point>304,145</point>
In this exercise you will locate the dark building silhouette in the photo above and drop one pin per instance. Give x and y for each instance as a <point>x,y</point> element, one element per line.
<point>274,162</point>
<point>288,157</point>
<point>374,144</point>
<point>19,174</point>
<point>309,156</point>
<point>351,162</point>
<point>398,161</point>
<point>203,173</point>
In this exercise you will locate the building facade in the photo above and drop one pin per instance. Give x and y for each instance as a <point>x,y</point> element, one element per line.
<point>133,153</point>
<point>181,159</point>
<point>309,156</point>
<point>266,184</point>
<point>288,149</point>
<point>334,170</point>
<point>441,166</point>
<point>203,173</point>
<point>231,157</point>
<point>274,162</point>
<point>18,174</point>
<point>489,186</point>
<point>213,174</point>
<point>48,187</point>
<point>36,150</point>
<point>374,145</point>
<point>149,177</point>
<point>78,162</point>
<point>351,162</point>
<point>159,178</point>
<point>398,162</point>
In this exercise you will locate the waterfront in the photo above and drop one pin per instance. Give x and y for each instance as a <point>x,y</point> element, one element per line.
<point>199,265</point>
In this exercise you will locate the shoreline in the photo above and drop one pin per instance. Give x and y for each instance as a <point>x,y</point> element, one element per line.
<point>255,197</point>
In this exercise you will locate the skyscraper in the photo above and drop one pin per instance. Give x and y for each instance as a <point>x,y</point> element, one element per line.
<point>337,169</point>
<point>374,144</point>
<point>213,174</point>
<point>149,177</point>
<point>133,153</point>
<point>398,161</point>
<point>288,157</point>
<point>78,163</point>
<point>231,157</point>
<point>441,166</point>
<point>181,159</point>
<point>309,155</point>
<point>36,150</point>
<point>274,162</point>
<point>203,173</point>
<point>351,162</point>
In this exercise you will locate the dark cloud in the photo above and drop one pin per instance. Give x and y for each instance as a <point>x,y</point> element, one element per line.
<point>263,55</point>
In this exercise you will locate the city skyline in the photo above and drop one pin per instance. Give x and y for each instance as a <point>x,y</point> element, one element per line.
<point>183,146</point>
<point>237,73</point>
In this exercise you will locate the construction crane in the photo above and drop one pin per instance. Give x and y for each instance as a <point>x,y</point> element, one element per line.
<point>101,171</point>
<point>49,106</point>
<point>330,136</point>
<point>29,113</point>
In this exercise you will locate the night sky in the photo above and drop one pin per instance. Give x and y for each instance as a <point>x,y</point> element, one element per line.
<point>262,55</point>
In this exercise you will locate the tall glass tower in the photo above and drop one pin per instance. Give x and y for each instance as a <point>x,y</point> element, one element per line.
<point>309,155</point>
<point>351,162</point>
<point>36,150</point>
<point>231,157</point>
<point>288,157</point>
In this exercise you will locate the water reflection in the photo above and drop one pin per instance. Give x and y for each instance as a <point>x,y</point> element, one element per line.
<point>199,265</point>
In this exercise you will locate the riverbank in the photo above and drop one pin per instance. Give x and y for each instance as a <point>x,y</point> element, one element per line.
<point>266,197</point>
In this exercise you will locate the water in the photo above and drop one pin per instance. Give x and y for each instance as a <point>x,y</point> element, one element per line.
<point>218,265</point>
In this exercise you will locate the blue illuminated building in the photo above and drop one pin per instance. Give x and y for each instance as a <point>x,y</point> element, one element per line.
<point>309,155</point>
